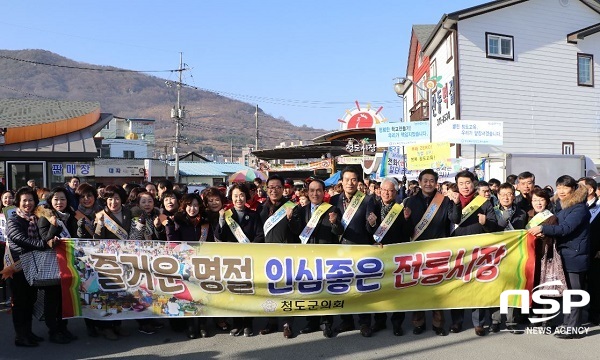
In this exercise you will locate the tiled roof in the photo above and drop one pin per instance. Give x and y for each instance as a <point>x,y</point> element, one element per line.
<point>208,168</point>
<point>423,32</point>
<point>26,112</point>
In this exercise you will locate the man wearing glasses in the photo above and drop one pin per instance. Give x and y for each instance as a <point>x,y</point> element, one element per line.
<point>275,214</point>
<point>388,224</point>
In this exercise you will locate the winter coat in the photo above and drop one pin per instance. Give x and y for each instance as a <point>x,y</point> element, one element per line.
<point>181,228</point>
<point>49,231</point>
<point>250,223</point>
<point>18,237</point>
<point>572,231</point>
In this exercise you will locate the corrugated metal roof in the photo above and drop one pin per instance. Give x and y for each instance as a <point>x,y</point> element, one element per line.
<point>208,168</point>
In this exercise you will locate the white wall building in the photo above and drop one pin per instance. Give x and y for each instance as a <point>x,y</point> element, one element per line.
<point>532,64</point>
<point>128,138</point>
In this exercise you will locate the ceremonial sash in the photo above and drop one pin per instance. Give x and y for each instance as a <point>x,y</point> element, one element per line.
<point>499,216</point>
<point>64,233</point>
<point>276,217</point>
<point>470,209</point>
<point>386,224</point>
<point>430,212</point>
<point>352,208</point>
<point>538,219</point>
<point>87,223</point>
<point>235,228</point>
<point>113,226</point>
<point>314,220</point>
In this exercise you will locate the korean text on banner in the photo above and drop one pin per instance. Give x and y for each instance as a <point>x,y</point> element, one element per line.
<point>402,133</point>
<point>474,132</point>
<point>113,279</point>
<point>428,156</point>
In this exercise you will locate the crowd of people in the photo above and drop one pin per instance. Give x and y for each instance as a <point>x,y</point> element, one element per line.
<point>353,212</point>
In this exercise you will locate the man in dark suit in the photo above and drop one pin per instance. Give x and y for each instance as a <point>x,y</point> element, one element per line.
<point>325,228</point>
<point>355,232</point>
<point>279,233</point>
<point>437,226</point>
<point>398,232</point>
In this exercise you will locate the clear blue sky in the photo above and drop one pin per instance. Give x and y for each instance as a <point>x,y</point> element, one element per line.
<point>306,61</point>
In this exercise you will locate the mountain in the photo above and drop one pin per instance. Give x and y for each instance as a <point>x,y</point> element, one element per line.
<point>211,122</point>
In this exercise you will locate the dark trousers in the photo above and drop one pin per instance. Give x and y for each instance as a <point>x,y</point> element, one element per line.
<point>23,299</point>
<point>243,322</point>
<point>53,309</point>
<point>593,285</point>
<point>315,321</point>
<point>458,316</point>
<point>437,318</point>
<point>363,319</point>
<point>397,318</point>
<point>274,321</point>
<point>575,281</point>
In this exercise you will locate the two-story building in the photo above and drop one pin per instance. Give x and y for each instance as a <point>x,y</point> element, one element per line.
<point>127,138</point>
<point>532,64</point>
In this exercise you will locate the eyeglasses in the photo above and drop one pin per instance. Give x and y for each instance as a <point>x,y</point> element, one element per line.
<point>387,190</point>
<point>274,188</point>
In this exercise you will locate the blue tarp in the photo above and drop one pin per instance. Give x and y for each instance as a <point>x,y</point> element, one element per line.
<point>333,179</point>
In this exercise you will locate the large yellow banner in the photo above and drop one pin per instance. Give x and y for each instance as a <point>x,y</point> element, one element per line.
<point>135,279</point>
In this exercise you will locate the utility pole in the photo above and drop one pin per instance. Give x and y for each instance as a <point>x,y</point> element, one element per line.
<point>166,161</point>
<point>256,118</point>
<point>231,149</point>
<point>178,113</point>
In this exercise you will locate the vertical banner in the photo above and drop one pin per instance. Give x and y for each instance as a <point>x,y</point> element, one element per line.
<point>111,280</point>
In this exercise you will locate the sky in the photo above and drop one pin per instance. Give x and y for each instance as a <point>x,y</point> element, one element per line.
<point>304,61</point>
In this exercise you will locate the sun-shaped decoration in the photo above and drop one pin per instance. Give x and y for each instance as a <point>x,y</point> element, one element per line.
<point>434,82</point>
<point>362,118</point>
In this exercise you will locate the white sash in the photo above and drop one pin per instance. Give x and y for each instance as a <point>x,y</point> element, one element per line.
<point>64,234</point>
<point>314,220</point>
<point>235,227</point>
<point>538,219</point>
<point>276,217</point>
<point>386,224</point>
<point>352,208</point>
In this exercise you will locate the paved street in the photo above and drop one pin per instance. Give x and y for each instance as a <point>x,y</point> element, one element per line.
<point>169,344</point>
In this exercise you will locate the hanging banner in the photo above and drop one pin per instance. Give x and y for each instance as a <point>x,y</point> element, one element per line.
<point>402,133</point>
<point>428,156</point>
<point>474,132</point>
<point>113,279</point>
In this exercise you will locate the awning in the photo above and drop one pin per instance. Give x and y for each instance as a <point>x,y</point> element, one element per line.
<point>313,151</point>
<point>76,145</point>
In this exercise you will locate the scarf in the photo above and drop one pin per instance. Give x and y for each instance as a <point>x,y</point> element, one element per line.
<point>89,212</point>
<point>32,229</point>
<point>385,209</point>
<point>63,216</point>
<point>465,200</point>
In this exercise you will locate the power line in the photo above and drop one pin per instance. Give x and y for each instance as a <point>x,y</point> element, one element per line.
<point>85,68</point>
